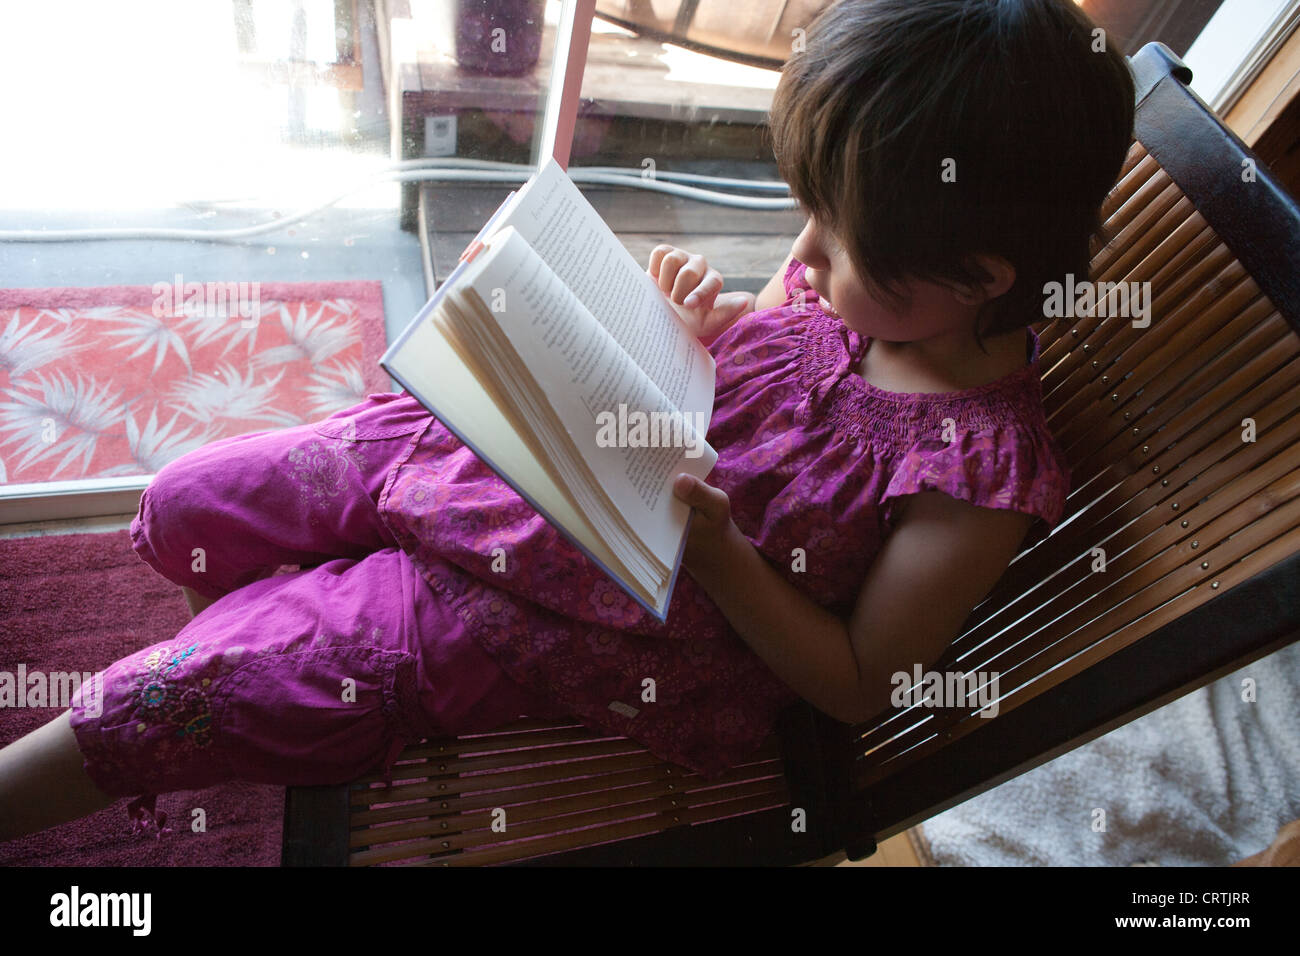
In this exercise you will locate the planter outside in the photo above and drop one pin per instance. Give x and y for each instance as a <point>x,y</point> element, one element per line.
<point>499,37</point>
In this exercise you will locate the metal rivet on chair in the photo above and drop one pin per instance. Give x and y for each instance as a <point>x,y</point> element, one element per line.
<point>443,804</point>
<point>1174,506</point>
<point>1155,469</point>
<point>672,786</point>
<point>677,819</point>
<point>1195,545</point>
<point>1214,585</point>
<point>1087,348</point>
<point>1164,482</point>
<point>1146,449</point>
<point>1205,565</point>
<point>442,786</point>
<point>1114,398</point>
<point>443,824</point>
<point>446,843</point>
<point>1183,524</point>
<point>1074,332</point>
<point>1105,380</point>
<point>1127,416</point>
<point>442,766</point>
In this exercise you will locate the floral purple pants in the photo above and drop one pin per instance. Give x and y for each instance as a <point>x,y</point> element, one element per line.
<point>310,677</point>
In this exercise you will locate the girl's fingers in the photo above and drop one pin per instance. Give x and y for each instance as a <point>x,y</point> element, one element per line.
<point>727,308</point>
<point>688,277</point>
<point>669,267</point>
<point>656,258</point>
<point>704,293</point>
<point>712,503</point>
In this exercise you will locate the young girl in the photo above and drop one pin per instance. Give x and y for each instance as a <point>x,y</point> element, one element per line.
<point>883,455</point>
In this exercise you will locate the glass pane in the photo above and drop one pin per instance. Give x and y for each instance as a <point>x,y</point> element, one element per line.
<point>673,88</point>
<point>473,77</point>
<point>118,354</point>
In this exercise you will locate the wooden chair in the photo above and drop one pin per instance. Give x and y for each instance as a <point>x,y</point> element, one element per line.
<point>1201,537</point>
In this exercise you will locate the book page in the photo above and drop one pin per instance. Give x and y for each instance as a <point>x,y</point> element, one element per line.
<point>579,247</point>
<point>427,364</point>
<point>597,392</point>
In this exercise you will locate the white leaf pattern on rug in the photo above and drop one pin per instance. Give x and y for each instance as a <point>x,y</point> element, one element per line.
<point>97,383</point>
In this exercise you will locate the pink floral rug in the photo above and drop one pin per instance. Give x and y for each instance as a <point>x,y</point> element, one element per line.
<point>119,380</point>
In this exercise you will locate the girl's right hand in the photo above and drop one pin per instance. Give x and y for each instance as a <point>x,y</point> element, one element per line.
<point>695,291</point>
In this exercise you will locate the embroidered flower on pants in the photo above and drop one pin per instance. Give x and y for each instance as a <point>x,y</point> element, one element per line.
<point>322,467</point>
<point>163,697</point>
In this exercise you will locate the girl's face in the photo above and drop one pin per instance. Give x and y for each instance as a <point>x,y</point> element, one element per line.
<point>928,310</point>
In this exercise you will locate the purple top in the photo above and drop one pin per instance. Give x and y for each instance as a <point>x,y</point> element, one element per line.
<point>810,455</point>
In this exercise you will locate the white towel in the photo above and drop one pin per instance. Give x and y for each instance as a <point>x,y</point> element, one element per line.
<point>1204,781</point>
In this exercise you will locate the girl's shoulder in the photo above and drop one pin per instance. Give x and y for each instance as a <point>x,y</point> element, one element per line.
<point>991,446</point>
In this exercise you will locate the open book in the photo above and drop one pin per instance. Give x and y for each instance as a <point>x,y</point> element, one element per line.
<point>553,355</point>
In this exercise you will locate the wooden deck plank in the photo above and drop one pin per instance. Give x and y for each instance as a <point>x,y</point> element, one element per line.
<point>746,246</point>
<point>745,263</point>
<point>456,208</point>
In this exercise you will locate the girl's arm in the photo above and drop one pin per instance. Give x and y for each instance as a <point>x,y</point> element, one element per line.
<point>942,558</point>
<point>773,294</point>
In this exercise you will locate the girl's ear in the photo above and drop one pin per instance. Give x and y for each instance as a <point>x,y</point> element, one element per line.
<point>1001,277</point>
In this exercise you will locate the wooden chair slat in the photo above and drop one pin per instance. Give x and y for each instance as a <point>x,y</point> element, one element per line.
<point>518,774</point>
<point>1249,462</point>
<point>1188,268</point>
<point>1200,458</point>
<point>1140,506</point>
<point>1128,607</point>
<point>528,849</point>
<point>1175,411</point>
<point>513,758</point>
<point>534,805</point>
<point>1132,223</point>
<point>1134,193</point>
<point>1076,576</point>
<point>1125,374</point>
<point>475,829</point>
<point>869,771</point>
<point>498,789</point>
<point>1136,172</point>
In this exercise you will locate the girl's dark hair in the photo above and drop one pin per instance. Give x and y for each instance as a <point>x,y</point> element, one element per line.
<point>1033,108</point>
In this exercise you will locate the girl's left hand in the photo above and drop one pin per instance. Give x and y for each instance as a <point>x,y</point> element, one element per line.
<point>695,291</point>
<point>711,526</point>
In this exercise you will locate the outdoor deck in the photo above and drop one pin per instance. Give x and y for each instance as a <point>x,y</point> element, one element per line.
<point>746,246</point>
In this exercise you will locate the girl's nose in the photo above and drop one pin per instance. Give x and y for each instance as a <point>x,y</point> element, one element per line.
<point>808,248</point>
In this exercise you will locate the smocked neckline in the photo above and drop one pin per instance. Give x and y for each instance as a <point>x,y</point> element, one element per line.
<point>857,346</point>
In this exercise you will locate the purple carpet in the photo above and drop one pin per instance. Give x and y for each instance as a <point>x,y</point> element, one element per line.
<point>77,603</point>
